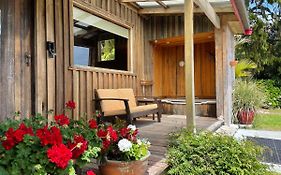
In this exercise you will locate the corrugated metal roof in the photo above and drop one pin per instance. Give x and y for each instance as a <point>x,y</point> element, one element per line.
<point>171,3</point>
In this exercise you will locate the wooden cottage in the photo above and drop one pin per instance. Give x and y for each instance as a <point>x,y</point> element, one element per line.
<point>53,51</point>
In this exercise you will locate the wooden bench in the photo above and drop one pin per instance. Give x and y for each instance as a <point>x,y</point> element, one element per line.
<point>122,102</point>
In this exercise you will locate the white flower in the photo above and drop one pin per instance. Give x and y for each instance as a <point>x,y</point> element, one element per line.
<point>132,127</point>
<point>139,141</point>
<point>124,145</point>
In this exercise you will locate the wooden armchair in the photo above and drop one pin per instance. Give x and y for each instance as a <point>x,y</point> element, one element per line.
<point>122,102</point>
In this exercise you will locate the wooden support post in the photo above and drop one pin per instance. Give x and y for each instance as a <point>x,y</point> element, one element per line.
<point>224,72</point>
<point>189,65</point>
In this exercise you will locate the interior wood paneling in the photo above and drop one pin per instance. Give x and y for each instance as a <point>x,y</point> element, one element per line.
<point>169,78</point>
<point>160,27</point>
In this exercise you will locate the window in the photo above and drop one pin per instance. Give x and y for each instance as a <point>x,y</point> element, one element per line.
<point>98,42</point>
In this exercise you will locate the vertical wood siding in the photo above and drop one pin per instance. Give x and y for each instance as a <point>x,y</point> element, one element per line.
<point>16,39</point>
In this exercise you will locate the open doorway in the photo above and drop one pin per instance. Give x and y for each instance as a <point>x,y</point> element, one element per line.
<point>169,77</point>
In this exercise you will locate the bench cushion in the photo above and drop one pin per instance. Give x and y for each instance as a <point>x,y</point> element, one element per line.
<point>108,105</point>
<point>128,94</point>
<point>143,108</point>
<point>115,112</point>
<point>117,107</point>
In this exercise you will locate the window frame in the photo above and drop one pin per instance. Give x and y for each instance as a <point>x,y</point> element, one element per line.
<point>112,19</point>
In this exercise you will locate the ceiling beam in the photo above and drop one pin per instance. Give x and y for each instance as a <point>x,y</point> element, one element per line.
<point>209,11</point>
<point>162,4</point>
<point>180,10</point>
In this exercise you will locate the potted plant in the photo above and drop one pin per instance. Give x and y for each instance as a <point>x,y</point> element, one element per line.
<point>123,153</point>
<point>34,146</point>
<point>247,97</point>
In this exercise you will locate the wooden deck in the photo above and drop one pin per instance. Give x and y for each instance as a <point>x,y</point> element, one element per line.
<point>157,134</point>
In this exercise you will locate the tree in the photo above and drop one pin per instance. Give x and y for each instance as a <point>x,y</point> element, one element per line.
<point>263,46</point>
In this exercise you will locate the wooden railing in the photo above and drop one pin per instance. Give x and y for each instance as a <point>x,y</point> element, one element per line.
<point>87,79</point>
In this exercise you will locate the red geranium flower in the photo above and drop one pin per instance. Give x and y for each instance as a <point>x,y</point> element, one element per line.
<point>124,132</point>
<point>15,137</point>
<point>112,133</point>
<point>102,134</point>
<point>8,144</point>
<point>93,124</point>
<point>62,120</point>
<point>56,136</point>
<point>47,136</point>
<point>70,104</point>
<point>60,155</point>
<point>90,173</point>
<point>78,147</point>
<point>44,135</point>
<point>105,144</point>
<point>21,131</point>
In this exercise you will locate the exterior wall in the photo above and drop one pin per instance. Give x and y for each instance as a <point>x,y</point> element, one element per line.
<point>16,39</point>
<point>160,27</point>
<point>64,81</point>
<point>224,72</point>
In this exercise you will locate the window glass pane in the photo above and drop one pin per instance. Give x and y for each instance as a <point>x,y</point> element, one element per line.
<point>81,55</point>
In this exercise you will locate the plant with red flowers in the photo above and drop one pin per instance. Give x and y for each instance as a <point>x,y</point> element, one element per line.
<point>34,146</point>
<point>121,143</point>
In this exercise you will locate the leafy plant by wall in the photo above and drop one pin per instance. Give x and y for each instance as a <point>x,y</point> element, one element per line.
<point>212,154</point>
<point>272,89</point>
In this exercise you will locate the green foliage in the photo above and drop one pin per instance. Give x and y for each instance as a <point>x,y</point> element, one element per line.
<point>247,94</point>
<point>211,154</point>
<point>263,46</point>
<point>107,50</point>
<point>272,90</point>
<point>244,68</point>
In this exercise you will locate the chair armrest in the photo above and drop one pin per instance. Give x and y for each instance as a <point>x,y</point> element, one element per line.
<point>101,99</point>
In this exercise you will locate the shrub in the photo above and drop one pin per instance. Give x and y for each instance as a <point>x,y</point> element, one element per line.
<point>272,90</point>
<point>212,154</point>
<point>247,95</point>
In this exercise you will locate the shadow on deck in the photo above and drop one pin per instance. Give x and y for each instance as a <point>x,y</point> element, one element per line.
<point>158,133</point>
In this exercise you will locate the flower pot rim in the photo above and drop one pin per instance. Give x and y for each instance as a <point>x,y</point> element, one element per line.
<point>119,161</point>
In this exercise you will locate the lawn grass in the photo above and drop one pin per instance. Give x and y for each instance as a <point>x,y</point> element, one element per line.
<point>268,121</point>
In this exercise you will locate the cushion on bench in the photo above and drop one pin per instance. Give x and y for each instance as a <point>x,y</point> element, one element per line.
<point>144,108</point>
<point>108,105</point>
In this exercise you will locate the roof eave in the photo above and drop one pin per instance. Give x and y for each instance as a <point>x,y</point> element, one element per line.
<point>241,13</point>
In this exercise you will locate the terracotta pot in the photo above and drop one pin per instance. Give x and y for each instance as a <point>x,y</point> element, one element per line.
<point>113,167</point>
<point>233,63</point>
<point>246,117</point>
